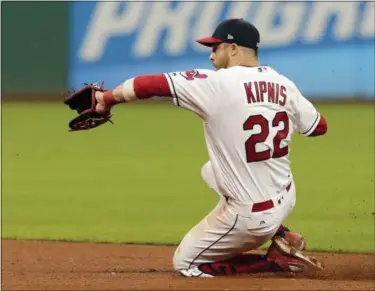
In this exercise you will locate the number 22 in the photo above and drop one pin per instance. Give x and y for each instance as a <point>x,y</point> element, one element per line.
<point>251,154</point>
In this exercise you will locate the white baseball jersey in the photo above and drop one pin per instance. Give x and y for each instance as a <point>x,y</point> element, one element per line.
<point>249,116</point>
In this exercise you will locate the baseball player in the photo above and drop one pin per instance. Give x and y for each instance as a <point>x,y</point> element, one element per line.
<point>249,114</point>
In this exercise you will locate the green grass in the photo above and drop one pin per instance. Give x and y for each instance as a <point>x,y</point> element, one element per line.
<point>139,179</point>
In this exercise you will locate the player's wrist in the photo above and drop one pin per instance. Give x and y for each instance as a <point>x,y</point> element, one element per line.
<point>109,100</point>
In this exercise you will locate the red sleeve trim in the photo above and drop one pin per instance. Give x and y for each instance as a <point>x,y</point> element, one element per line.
<point>321,128</point>
<point>146,86</point>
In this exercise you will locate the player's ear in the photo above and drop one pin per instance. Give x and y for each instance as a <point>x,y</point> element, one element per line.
<point>233,49</point>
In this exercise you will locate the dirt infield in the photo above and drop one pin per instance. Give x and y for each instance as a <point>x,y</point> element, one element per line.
<point>36,265</point>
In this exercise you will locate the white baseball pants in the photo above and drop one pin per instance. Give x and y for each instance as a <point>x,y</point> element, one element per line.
<point>227,232</point>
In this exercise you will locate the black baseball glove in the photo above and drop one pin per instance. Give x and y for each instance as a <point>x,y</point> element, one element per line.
<point>84,102</point>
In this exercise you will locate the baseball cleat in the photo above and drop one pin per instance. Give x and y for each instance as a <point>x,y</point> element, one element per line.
<point>289,250</point>
<point>287,264</point>
<point>282,262</point>
<point>195,272</point>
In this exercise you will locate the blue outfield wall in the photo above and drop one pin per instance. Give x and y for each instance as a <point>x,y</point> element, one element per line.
<point>326,48</point>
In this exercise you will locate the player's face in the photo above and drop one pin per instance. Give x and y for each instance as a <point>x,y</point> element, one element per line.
<point>219,56</point>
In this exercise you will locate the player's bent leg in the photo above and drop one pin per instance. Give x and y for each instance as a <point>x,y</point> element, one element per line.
<point>200,260</point>
<point>215,245</point>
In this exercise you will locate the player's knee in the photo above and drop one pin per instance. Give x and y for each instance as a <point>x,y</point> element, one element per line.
<point>179,263</point>
<point>176,263</point>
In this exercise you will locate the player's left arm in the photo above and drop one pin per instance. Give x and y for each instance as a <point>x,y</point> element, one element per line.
<point>321,127</point>
<point>308,120</point>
